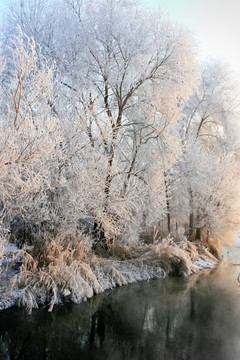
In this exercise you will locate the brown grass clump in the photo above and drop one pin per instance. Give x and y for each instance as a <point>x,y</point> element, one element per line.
<point>215,248</point>
<point>55,270</point>
<point>123,252</point>
<point>178,257</point>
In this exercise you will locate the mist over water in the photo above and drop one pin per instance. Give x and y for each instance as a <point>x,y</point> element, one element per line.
<point>160,319</point>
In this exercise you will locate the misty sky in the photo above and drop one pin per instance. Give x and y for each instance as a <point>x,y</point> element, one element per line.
<point>215,23</point>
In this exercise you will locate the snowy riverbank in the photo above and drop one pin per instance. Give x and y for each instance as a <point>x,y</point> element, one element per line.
<point>68,277</point>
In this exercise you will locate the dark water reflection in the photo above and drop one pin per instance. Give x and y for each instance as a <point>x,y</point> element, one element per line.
<point>162,319</point>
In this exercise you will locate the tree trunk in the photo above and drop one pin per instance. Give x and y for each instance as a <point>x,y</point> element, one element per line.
<point>191,218</point>
<point>168,203</point>
<point>198,233</point>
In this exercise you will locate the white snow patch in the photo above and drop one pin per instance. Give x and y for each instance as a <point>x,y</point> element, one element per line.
<point>11,248</point>
<point>202,264</point>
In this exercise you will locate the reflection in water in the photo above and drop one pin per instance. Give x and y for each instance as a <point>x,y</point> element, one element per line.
<point>162,319</point>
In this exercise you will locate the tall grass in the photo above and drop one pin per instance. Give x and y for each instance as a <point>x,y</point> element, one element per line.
<point>178,257</point>
<point>61,270</point>
<point>65,268</point>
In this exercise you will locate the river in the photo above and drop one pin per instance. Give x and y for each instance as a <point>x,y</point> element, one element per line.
<point>168,319</point>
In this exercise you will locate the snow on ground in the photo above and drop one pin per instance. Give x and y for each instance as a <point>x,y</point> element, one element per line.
<point>11,248</point>
<point>202,265</point>
<point>7,271</point>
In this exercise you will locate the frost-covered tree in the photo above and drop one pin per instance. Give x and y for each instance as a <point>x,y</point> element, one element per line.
<point>209,129</point>
<point>212,111</point>
<point>124,73</point>
<point>137,130</point>
<point>29,130</point>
